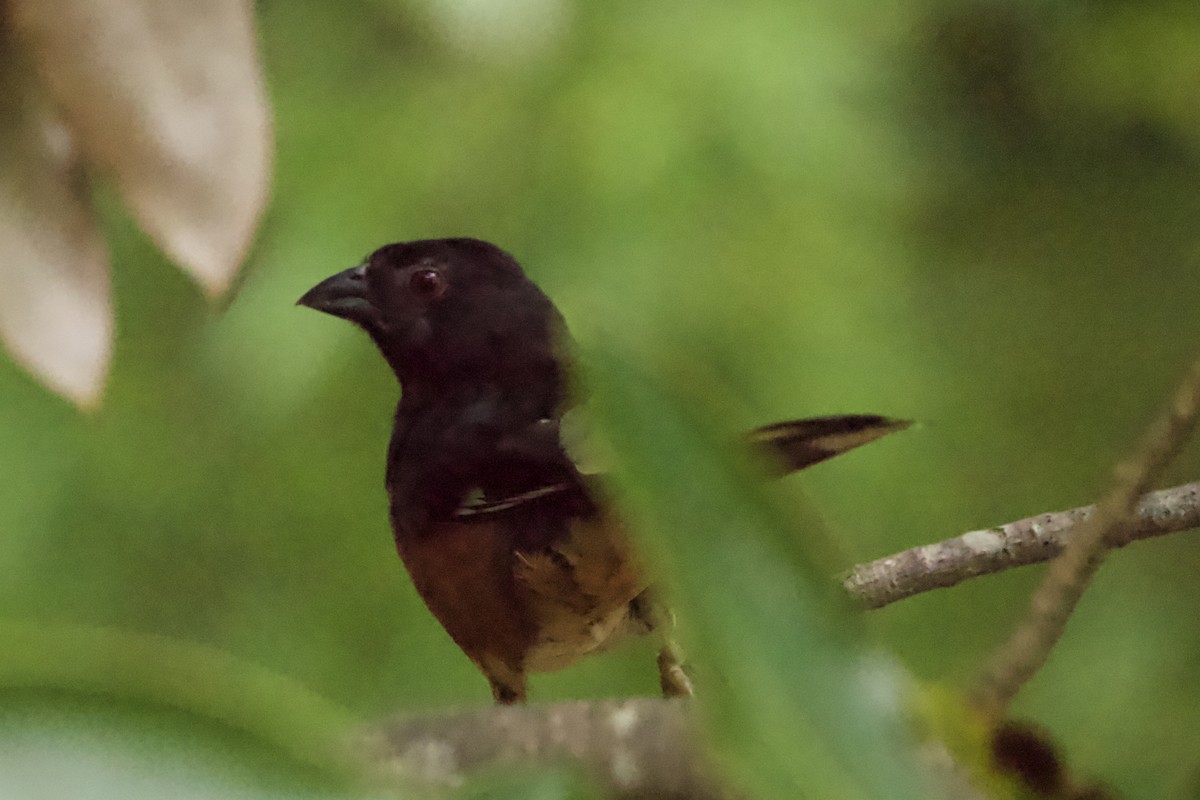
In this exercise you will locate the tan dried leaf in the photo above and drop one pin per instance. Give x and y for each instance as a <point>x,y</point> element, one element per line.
<point>55,309</point>
<point>168,96</point>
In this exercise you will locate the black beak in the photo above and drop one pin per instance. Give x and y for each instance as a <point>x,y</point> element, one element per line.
<point>342,295</point>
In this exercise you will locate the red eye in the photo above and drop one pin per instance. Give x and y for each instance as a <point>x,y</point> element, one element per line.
<point>427,284</point>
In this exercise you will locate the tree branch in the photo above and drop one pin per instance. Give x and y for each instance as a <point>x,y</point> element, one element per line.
<point>644,747</point>
<point>641,747</point>
<point>1063,585</point>
<point>1026,541</point>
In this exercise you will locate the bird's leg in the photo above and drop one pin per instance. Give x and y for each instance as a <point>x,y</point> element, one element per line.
<point>671,677</point>
<point>506,693</point>
<point>658,620</point>
<point>507,680</point>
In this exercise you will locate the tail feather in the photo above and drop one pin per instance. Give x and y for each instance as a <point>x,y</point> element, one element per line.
<point>788,446</point>
<point>801,443</point>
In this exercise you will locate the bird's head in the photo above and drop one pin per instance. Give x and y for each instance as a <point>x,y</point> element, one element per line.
<point>444,310</point>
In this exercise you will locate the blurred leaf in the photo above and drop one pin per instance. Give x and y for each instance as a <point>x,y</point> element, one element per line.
<point>793,698</point>
<point>146,669</point>
<point>1002,758</point>
<point>949,718</point>
<point>1134,63</point>
<point>169,97</point>
<point>55,309</point>
<point>58,745</point>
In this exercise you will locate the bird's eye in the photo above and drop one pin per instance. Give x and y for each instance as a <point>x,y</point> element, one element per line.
<point>427,284</point>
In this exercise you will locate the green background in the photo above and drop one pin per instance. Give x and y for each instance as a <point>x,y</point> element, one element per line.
<point>980,216</point>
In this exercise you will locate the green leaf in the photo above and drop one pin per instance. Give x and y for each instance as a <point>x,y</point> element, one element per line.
<point>80,665</point>
<point>795,700</point>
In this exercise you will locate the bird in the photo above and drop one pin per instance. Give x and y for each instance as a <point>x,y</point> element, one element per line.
<point>514,546</point>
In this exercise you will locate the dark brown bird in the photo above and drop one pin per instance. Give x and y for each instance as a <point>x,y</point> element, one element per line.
<point>512,548</point>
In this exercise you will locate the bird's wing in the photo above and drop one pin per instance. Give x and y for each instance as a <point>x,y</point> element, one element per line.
<point>786,446</point>
<point>571,562</point>
<point>551,476</point>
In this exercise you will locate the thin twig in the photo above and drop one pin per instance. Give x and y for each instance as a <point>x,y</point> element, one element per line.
<point>1027,541</point>
<point>1052,603</point>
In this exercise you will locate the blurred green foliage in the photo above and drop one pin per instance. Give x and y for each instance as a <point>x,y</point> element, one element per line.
<point>793,699</point>
<point>979,215</point>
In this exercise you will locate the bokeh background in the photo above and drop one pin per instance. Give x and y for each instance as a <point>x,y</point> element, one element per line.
<point>981,216</point>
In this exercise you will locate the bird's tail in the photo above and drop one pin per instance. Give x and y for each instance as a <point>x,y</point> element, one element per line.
<point>800,443</point>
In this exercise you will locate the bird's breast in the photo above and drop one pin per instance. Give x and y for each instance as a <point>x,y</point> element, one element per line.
<point>464,573</point>
<point>532,609</point>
